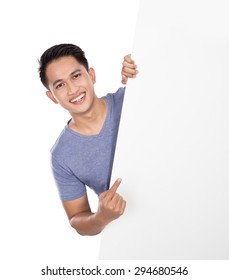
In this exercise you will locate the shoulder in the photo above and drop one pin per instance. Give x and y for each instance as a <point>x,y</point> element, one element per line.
<point>118,94</point>
<point>62,143</point>
<point>116,98</point>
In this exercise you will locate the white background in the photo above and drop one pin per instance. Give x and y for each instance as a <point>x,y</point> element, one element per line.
<point>172,151</point>
<point>34,228</point>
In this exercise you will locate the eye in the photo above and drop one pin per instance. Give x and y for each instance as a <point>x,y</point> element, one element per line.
<point>60,85</point>
<point>76,76</point>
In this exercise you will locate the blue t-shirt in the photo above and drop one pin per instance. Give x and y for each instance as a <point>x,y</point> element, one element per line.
<point>78,160</point>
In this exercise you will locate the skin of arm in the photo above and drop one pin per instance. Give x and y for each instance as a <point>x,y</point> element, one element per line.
<point>111,205</point>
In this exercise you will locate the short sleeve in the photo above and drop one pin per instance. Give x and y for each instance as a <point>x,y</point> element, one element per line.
<point>119,94</point>
<point>68,185</point>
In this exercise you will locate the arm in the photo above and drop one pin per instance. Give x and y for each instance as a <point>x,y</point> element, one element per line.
<point>129,69</point>
<point>111,206</point>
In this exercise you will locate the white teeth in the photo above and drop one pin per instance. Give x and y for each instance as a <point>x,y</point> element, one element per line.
<point>78,98</point>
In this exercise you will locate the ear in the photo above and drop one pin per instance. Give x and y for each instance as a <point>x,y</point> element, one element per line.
<point>91,72</point>
<point>51,96</point>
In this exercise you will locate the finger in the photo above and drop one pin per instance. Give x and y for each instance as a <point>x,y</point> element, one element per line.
<point>115,202</point>
<point>129,75</point>
<point>111,192</point>
<point>121,206</point>
<point>129,71</point>
<point>128,58</point>
<point>116,198</point>
<point>129,65</point>
<point>118,206</point>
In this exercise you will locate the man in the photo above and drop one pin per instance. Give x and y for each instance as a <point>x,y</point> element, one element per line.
<point>84,152</point>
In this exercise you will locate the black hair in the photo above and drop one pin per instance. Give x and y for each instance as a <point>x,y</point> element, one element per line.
<point>59,51</point>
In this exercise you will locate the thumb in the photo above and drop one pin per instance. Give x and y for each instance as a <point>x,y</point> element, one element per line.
<point>115,186</point>
<point>124,79</point>
<point>110,192</point>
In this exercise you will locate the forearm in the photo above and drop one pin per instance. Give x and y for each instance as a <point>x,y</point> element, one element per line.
<point>88,223</point>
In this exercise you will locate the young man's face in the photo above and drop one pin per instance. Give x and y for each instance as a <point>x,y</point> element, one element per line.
<point>70,84</point>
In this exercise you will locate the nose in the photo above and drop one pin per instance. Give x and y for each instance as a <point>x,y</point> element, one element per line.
<point>72,88</point>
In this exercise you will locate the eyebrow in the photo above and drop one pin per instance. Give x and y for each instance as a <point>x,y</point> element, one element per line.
<point>71,74</point>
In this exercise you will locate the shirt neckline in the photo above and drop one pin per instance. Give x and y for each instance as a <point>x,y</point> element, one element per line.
<point>102,129</point>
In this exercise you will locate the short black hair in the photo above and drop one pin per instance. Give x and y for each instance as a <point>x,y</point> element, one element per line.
<point>59,51</point>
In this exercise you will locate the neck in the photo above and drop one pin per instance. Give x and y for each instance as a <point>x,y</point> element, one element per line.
<point>90,122</point>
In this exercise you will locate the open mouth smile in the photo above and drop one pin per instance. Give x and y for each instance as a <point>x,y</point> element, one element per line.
<point>79,99</point>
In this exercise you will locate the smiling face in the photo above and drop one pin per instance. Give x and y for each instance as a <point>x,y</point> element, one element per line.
<point>71,85</point>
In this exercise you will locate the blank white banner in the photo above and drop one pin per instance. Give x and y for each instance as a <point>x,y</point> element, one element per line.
<point>173,145</point>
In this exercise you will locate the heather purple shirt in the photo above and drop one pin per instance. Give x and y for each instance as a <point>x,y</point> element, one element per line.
<point>78,161</point>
